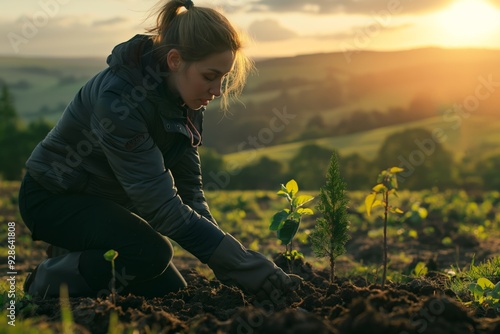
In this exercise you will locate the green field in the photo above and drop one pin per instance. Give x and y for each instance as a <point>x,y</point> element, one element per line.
<point>478,135</point>
<point>449,233</point>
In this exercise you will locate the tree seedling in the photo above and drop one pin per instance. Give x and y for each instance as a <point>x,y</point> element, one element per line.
<point>110,256</point>
<point>419,270</point>
<point>330,232</point>
<point>387,183</point>
<point>286,222</point>
<point>485,294</point>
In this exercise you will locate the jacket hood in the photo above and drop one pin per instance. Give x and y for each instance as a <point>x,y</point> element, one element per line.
<point>136,62</point>
<point>129,53</point>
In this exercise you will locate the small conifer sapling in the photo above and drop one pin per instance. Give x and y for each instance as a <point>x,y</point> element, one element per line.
<point>330,233</point>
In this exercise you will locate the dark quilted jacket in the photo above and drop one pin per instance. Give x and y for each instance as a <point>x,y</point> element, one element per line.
<point>125,137</point>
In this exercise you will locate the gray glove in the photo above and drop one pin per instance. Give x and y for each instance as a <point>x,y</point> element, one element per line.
<point>233,264</point>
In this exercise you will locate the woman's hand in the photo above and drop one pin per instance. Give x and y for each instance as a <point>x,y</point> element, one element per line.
<point>233,264</point>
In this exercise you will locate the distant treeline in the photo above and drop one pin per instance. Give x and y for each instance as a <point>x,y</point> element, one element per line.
<point>427,164</point>
<point>17,139</point>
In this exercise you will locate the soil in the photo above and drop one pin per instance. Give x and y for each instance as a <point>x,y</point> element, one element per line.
<point>316,306</point>
<point>346,305</point>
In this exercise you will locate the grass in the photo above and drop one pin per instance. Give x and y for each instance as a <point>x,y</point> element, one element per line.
<point>489,269</point>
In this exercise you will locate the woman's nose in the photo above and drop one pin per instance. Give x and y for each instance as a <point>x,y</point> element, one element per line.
<point>216,88</point>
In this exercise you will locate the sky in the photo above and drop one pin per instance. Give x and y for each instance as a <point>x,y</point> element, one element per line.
<point>276,28</point>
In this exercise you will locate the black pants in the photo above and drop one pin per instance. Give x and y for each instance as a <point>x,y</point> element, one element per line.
<point>92,225</point>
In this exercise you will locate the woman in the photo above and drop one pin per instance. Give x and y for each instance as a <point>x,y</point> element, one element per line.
<point>121,169</point>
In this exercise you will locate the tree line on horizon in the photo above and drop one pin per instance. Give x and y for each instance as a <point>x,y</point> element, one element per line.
<point>424,170</point>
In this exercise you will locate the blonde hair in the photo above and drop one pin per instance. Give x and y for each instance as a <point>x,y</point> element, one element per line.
<point>197,33</point>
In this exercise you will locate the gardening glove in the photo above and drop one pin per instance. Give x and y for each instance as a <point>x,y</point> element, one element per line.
<point>251,271</point>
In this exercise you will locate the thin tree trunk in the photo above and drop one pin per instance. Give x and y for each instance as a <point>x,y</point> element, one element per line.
<point>332,268</point>
<point>384,273</point>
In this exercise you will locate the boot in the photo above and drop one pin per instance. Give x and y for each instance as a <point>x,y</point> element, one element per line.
<point>45,281</point>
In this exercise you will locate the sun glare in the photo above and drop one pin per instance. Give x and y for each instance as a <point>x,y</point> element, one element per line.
<point>466,20</point>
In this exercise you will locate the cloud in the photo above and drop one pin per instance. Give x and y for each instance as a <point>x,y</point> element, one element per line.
<point>345,6</point>
<point>73,36</point>
<point>356,31</point>
<point>269,30</point>
<point>110,21</point>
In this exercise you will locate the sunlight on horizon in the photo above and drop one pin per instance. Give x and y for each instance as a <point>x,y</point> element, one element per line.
<point>468,21</point>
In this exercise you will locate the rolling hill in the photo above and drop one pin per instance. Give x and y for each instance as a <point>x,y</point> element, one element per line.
<point>351,106</point>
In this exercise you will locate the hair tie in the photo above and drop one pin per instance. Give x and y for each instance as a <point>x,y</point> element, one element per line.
<point>188,4</point>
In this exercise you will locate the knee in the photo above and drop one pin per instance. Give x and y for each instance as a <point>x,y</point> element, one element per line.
<point>157,256</point>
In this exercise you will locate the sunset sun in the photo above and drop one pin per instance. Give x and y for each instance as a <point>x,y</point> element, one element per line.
<point>466,20</point>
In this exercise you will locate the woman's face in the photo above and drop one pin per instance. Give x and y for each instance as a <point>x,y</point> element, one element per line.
<point>199,82</point>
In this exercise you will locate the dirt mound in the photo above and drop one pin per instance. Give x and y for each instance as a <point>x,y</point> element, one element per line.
<point>316,306</point>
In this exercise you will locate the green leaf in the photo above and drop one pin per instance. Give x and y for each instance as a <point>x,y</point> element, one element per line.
<point>485,283</point>
<point>288,231</point>
<point>393,183</point>
<point>110,255</point>
<point>305,211</point>
<point>396,170</point>
<point>379,188</point>
<point>292,187</point>
<point>369,202</point>
<point>476,291</point>
<point>420,269</point>
<point>382,177</point>
<point>495,293</point>
<point>277,219</point>
<point>301,200</point>
<point>413,234</point>
<point>422,212</point>
<point>397,210</point>
<point>447,241</point>
<point>294,216</point>
<point>283,193</point>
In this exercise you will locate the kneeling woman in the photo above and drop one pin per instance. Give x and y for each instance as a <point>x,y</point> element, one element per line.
<point>121,169</point>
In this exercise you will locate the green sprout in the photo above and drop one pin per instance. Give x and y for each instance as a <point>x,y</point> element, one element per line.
<point>110,256</point>
<point>387,183</point>
<point>485,294</point>
<point>286,222</point>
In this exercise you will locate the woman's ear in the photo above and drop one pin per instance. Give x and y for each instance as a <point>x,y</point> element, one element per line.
<point>174,60</point>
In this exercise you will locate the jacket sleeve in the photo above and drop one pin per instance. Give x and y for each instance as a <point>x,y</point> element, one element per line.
<point>138,165</point>
<point>188,180</point>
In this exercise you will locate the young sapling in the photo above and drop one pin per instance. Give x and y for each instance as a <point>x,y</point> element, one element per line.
<point>387,183</point>
<point>110,256</point>
<point>330,233</point>
<point>286,222</point>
